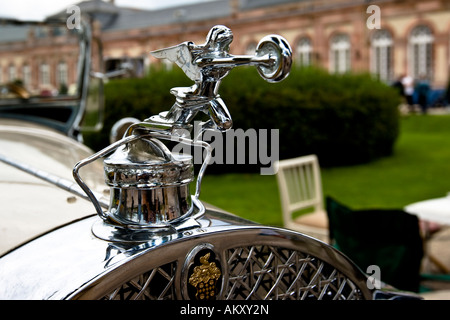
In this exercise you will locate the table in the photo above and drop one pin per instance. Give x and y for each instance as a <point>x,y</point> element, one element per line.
<point>434,211</point>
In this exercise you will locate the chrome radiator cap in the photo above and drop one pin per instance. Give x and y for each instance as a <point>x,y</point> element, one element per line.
<point>149,185</point>
<point>147,163</point>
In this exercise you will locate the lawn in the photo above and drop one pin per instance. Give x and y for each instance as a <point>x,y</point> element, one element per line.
<point>419,169</point>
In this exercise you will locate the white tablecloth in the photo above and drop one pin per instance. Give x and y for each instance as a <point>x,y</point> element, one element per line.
<point>434,210</point>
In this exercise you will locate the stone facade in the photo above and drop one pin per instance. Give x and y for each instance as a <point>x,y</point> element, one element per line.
<point>341,35</point>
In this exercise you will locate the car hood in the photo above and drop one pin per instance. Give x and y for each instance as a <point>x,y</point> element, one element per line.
<point>29,205</point>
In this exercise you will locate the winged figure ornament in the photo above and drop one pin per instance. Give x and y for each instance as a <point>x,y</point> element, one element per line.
<point>207,64</point>
<point>181,55</point>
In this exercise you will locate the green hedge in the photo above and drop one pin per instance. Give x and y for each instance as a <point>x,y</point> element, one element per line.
<point>344,119</point>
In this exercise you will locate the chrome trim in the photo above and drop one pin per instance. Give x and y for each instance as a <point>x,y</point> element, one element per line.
<point>84,69</point>
<point>189,262</point>
<point>245,273</point>
<point>85,267</point>
<point>119,128</point>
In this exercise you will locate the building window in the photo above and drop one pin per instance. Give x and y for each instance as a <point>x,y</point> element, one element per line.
<point>340,53</point>
<point>41,32</point>
<point>421,49</point>
<point>44,73</point>
<point>381,62</point>
<point>62,74</point>
<point>304,52</point>
<point>12,73</point>
<point>26,71</point>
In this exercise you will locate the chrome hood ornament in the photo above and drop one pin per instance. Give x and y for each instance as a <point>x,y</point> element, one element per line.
<point>208,64</point>
<point>149,185</point>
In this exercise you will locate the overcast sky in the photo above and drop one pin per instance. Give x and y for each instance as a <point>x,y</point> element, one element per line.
<point>39,9</point>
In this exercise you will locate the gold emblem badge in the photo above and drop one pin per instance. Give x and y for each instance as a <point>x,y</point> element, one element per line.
<point>204,278</point>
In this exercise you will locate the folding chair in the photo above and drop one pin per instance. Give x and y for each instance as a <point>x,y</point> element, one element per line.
<point>389,239</point>
<point>300,187</point>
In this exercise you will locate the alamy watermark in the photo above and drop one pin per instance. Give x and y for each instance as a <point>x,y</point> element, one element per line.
<point>235,146</point>
<point>374,20</point>
<point>74,20</point>
<point>374,279</point>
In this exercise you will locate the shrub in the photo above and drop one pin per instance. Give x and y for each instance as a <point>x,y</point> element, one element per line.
<point>136,97</point>
<point>344,119</point>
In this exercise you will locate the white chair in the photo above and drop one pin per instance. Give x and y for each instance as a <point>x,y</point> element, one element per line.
<point>300,186</point>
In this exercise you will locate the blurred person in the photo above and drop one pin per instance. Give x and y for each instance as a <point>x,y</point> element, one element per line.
<point>408,85</point>
<point>398,85</point>
<point>447,94</point>
<point>423,89</point>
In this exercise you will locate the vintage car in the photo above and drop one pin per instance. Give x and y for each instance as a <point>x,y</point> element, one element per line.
<point>122,223</point>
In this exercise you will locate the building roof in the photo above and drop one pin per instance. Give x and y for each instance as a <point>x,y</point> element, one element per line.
<point>115,18</point>
<point>13,33</point>
<point>129,18</point>
<point>253,4</point>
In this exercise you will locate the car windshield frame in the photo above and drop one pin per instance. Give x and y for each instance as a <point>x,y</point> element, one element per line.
<point>64,113</point>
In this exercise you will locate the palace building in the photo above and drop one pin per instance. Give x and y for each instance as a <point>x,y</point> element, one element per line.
<point>389,38</point>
